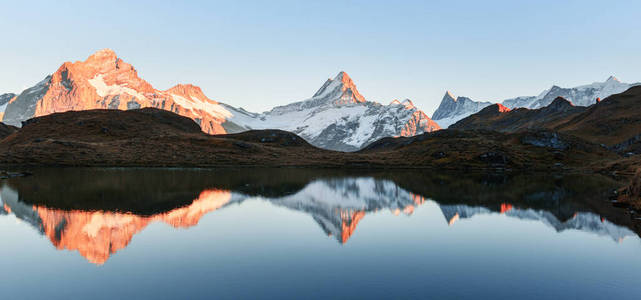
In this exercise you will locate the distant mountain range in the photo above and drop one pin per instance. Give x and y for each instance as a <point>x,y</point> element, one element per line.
<point>500,118</point>
<point>612,123</point>
<point>337,117</point>
<point>452,109</point>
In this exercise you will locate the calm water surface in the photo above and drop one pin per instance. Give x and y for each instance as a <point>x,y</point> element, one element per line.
<point>140,233</point>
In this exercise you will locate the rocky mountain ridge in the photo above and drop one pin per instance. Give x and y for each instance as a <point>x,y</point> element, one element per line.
<point>337,117</point>
<point>453,109</point>
<point>612,122</point>
<point>500,118</point>
<point>104,81</point>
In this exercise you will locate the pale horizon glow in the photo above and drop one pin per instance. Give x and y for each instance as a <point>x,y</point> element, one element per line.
<point>259,54</point>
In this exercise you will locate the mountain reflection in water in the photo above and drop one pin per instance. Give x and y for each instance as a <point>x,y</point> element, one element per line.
<point>98,211</point>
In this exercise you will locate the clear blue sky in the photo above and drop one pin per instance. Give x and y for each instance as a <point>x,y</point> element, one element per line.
<point>257,54</point>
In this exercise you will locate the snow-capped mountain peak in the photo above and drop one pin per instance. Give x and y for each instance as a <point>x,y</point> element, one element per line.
<point>103,53</point>
<point>408,104</point>
<point>343,77</point>
<point>612,78</point>
<point>104,57</point>
<point>449,112</point>
<point>340,90</point>
<point>454,108</point>
<point>449,96</point>
<point>104,81</point>
<point>189,91</point>
<point>337,117</point>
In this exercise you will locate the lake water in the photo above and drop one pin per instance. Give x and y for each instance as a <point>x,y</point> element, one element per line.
<point>297,233</point>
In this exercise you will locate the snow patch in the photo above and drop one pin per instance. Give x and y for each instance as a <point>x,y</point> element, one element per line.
<point>104,90</point>
<point>452,110</point>
<point>447,122</point>
<point>195,103</point>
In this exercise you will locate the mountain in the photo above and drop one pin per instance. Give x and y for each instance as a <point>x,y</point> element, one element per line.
<point>500,118</point>
<point>453,109</point>
<point>111,214</point>
<point>4,100</point>
<point>6,130</point>
<point>449,112</point>
<point>338,117</point>
<point>104,81</point>
<point>582,221</point>
<point>346,201</point>
<point>96,235</point>
<point>614,122</point>
<point>584,95</point>
<point>150,137</point>
<point>123,138</point>
<point>542,150</point>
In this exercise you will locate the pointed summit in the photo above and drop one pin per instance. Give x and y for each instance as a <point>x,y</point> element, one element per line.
<point>612,79</point>
<point>449,96</point>
<point>342,76</point>
<point>185,88</point>
<point>104,52</point>
<point>102,56</point>
<point>345,80</point>
<point>340,90</point>
<point>408,104</point>
<point>448,108</point>
<point>104,61</point>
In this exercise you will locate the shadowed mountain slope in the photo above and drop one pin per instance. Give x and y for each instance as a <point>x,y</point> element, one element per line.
<point>500,118</point>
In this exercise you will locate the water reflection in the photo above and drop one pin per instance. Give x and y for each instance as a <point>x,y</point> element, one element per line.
<point>584,221</point>
<point>98,211</point>
<point>98,234</point>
